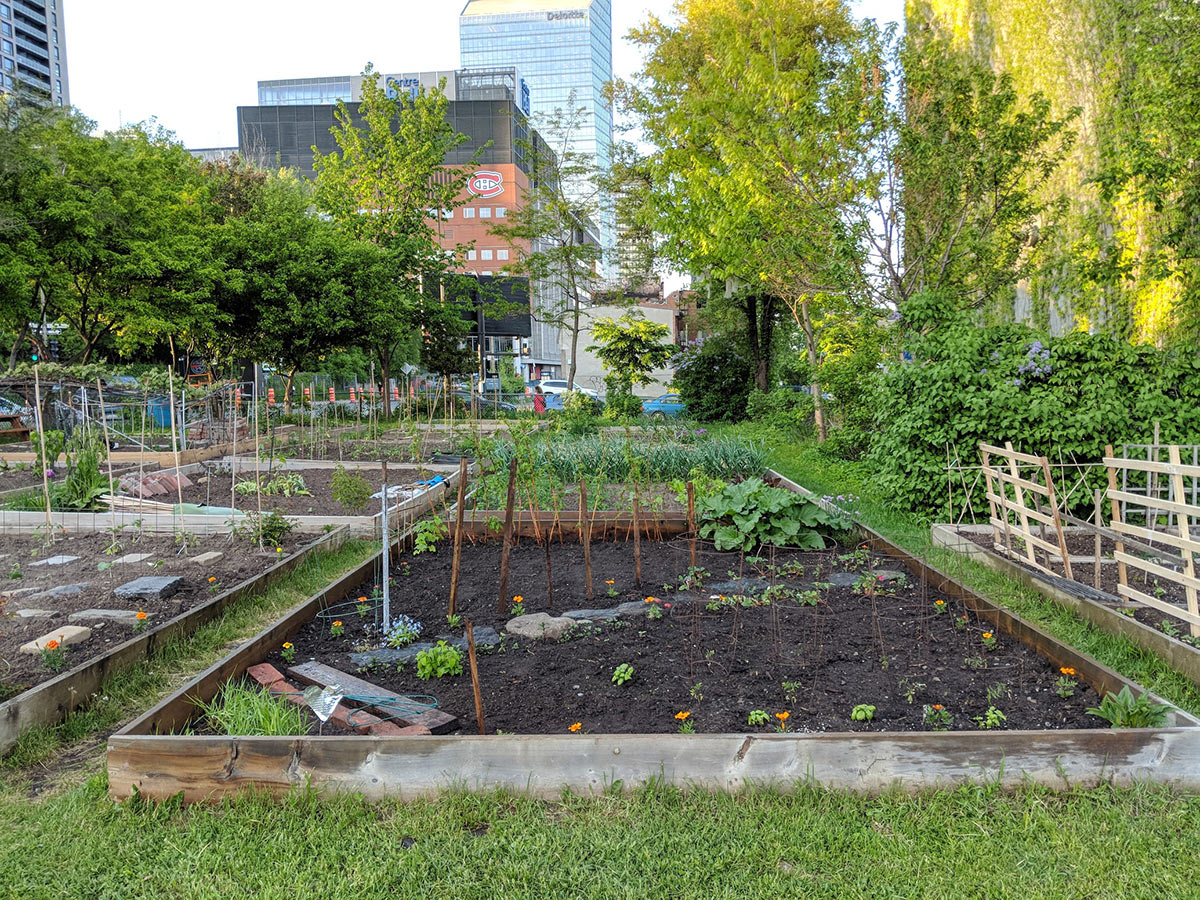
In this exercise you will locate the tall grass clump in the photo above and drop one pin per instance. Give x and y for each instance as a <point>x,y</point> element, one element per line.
<point>240,710</point>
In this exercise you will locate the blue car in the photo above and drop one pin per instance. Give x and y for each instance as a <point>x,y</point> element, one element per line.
<point>666,405</point>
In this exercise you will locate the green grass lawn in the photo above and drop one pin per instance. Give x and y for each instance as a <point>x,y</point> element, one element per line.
<point>975,842</point>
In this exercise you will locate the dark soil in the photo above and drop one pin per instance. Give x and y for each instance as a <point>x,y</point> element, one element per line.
<point>20,671</point>
<point>656,499</point>
<point>718,664</point>
<point>215,489</point>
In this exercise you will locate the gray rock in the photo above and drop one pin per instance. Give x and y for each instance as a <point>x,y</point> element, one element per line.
<point>149,587</point>
<point>115,615</point>
<point>63,590</point>
<point>539,625</point>
<point>748,587</point>
<point>458,643</point>
<point>844,579</point>
<point>486,638</point>
<point>60,560</point>
<point>634,608</point>
<point>593,615</point>
<point>35,613</point>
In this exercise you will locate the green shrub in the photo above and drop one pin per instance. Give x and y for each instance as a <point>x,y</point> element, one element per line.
<point>714,381</point>
<point>350,489</point>
<point>619,402</point>
<point>749,514</point>
<point>781,408</point>
<point>438,661</point>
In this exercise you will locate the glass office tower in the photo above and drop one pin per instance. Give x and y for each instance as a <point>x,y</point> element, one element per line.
<point>559,46</point>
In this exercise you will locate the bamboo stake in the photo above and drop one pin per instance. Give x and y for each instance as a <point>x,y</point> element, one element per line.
<point>1122,573</point>
<point>691,500</point>
<point>1099,524</point>
<point>502,600</point>
<point>386,576</point>
<point>175,440</point>
<point>41,423</point>
<point>257,461</point>
<point>458,533</point>
<point>107,453</point>
<point>585,532</point>
<point>637,536</point>
<point>233,455</point>
<point>475,677</point>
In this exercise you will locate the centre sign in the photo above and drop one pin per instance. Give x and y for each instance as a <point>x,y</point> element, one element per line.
<point>486,184</point>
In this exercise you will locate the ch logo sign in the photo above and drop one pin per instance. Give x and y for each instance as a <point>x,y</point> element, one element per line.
<point>486,184</point>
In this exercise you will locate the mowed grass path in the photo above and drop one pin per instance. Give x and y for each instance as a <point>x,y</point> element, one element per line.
<point>973,842</point>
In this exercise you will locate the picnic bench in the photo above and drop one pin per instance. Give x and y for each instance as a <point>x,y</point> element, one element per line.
<point>12,428</point>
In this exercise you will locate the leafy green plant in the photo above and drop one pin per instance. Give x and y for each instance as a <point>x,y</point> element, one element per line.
<point>85,483</point>
<point>290,484</point>
<point>350,489</point>
<point>909,689</point>
<point>245,711</point>
<point>54,442</point>
<point>863,712</point>
<point>758,717</point>
<point>791,691</point>
<point>14,571</point>
<point>426,535</point>
<point>454,620</point>
<point>439,661</point>
<point>246,487</point>
<point>936,716</point>
<point>268,529</point>
<point>288,652</point>
<point>996,691</point>
<point>622,674</point>
<point>54,655</point>
<point>993,718</point>
<point>1123,711</point>
<point>1065,687</point>
<point>695,692</point>
<point>745,515</point>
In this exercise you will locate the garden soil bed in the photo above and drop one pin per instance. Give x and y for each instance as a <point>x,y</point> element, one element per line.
<point>214,489</point>
<point>19,671</point>
<point>717,664</point>
<point>656,499</point>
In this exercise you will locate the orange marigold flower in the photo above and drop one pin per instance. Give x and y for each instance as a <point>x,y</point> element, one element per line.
<point>782,716</point>
<point>939,602</point>
<point>575,727</point>
<point>518,599</point>
<point>937,706</point>
<point>212,578</point>
<point>987,634</point>
<point>52,645</point>
<point>1067,670</point>
<point>287,645</point>
<point>141,615</point>
<point>681,716</point>
<point>362,599</point>
<point>609,581</point>
<point>337,624</point>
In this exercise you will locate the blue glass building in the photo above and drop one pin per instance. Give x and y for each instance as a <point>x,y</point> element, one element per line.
<point>560,47</point>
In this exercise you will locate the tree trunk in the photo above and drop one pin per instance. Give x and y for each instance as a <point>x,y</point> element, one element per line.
<point>16,347</point>
<point>760,312</point>
<point>574,348</point>
<point>287,391</point>
<point>385,368</point>
<point>818,402</point>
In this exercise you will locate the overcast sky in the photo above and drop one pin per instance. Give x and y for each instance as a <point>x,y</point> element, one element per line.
<point>190,64</point>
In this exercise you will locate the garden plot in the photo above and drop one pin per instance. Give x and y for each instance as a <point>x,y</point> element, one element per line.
<point>75,592</point>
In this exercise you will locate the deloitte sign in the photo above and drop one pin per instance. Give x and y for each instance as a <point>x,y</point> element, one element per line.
<point>568,14</point>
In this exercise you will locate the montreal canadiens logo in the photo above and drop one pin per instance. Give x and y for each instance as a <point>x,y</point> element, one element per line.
<point>486,184</point>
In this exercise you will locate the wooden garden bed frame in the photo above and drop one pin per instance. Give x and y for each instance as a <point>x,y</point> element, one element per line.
<point>144,757</point>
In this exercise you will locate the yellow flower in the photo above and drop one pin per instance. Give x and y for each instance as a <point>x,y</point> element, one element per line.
<point>287,645</point>
<point>575,727</point>
<point>278,549</point>
<point>939,602</point>
<point>212,578</point>
<point>1067,670</point>
<point>518,599</point>
<point>681,716</point>
<point>610,581</point>
<point>986,635</point>
<point>782,716</point>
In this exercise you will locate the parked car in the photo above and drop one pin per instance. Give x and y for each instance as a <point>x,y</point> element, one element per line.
<point>551,386</point>
<point>485,403</point>
<point>666,405</point>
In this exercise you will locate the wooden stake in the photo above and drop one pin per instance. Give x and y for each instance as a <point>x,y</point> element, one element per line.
<point>175,440</point>
<point>1122,573</point>
<point>458,531</point>
<point>385,578</point>
<point>691,497</point>
<point>107,450</point>
<point>1099,524</point>
<point>637,536</point>
<point>46,463</point>
<point>585,534</point>
<point>1189,566</point>
<point>502,600</point>
<point>475,677</point>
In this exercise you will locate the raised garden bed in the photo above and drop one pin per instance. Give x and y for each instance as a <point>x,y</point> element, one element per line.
<point>627,732</point>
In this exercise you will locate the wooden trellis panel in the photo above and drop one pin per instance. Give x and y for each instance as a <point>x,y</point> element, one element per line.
<point>1020,489</point>
<point>1177,568</point>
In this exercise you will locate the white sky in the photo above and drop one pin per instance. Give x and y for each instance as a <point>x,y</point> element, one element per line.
<point>191,64</point>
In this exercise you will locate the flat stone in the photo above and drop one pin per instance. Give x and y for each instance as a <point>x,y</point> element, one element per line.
<point>633,608</point>
<point>35,613</point>
<point>63,590</point>
<point>114,615</point>
<point>539,625</point>
<point>592,615</point>
<point>13,593</point>
<point>60,560</point>
<point>747,587</point>
<point>210,556</point>
<point>889,575</point>
<point>130,559</point>
<point>149,587</point>
<point>66,635</point>
<point>844,579</point>
<point>486,638</point>
<point>386,656</point>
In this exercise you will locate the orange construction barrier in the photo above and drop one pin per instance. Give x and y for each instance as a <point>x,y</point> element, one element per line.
<point>395,392</point>
<point>331,397</point>
<point>351,394</point>
<point>308,394</point>
<point>238,398</point>
<point>270,396</point>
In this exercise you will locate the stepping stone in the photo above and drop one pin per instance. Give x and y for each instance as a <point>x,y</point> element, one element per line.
<point>844,579</point>
<point>35,613</point>
<point>149,587</point>
<point>210,556</point>
<point>593,615</point>
<point>539,626</point>
<point>63,590</point>
<point>748,587</point>
<point>486,638</point>
<point>114,615</point>
<point>60,560</point>
<point>130,559</point>
<point>386,656</point>
<point>634,608</point>
<point>66,636</point>
<point>18,592</point>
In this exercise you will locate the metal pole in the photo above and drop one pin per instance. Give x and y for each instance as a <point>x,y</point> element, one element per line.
<point>387,604</point>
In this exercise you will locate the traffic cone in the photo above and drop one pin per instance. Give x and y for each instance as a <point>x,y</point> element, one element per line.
<point>270,396</point>
<point>395,392</point>
<point>331,395</point>
<point>351,394</point>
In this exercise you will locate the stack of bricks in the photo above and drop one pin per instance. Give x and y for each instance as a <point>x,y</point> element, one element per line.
<point>344,717</point>
<point>153,484</point>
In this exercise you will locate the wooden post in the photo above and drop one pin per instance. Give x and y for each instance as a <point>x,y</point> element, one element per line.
<point>46,463</point>
<point>505,552</point>
<point>475,677</point>
<point>386,563</point>
<point>1058,528</point>
<point>637,536</point>
<point>175,441</point>
<point>1189,567</point>
<point>458,528</point>
<point>1099,524</point>
<point>585,534</point>
<point>1122,574</point>
<point>691,500</point>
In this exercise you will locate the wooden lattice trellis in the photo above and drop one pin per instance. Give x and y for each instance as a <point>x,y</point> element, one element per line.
<point>1008,485</point>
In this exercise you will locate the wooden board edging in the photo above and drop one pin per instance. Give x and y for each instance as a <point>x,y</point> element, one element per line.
<point>51,701</point>
<point>1176,654</point>
<point>213,768</point>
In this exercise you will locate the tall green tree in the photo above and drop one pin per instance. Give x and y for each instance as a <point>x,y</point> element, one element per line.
<point>388,183</point>
<point>630,347</point>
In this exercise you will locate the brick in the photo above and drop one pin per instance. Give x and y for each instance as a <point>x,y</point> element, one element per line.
<point>184,481</point>
<point>343,716</point>
<point>65,635</point>
<point>168,482</point>
<point>265,674</point>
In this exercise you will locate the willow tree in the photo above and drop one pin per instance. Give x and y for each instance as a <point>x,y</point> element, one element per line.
<point>388,183</point>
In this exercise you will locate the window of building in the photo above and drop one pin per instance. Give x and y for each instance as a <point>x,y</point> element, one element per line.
<point>470,255</point>
<point>501,254</point>
<point>6,46</point>
<point>8,81</point>
<point>5,11</point>
<point>5,29</point>
<point>8,64</point>
<point>56,37</point>
<point>501,212</point>
<point>56,53</point>
<point>57,71</point>
<point>54,19</point>
<point>447,214</point>
<point>485,254</point>
<point>58,86</point>
<point>468,212</point>
<point>485,212</point>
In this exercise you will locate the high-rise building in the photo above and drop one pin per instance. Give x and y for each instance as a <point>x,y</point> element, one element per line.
<point>33,50</point>
<point>562,48</point>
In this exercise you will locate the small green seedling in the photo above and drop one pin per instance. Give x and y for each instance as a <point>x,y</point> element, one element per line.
<point>864,712</point>
<point>622,674</point>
